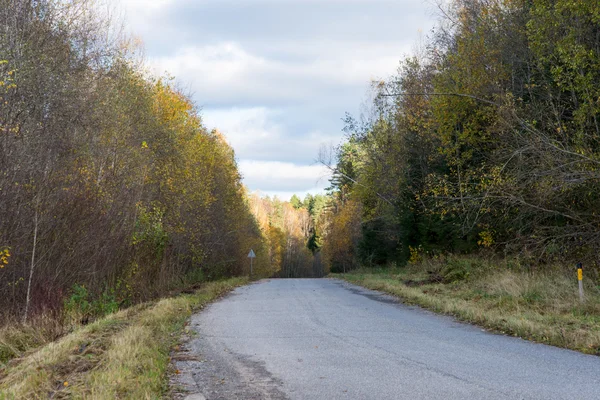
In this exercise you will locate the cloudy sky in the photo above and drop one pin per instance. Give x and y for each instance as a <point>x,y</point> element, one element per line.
<point>277,76</point>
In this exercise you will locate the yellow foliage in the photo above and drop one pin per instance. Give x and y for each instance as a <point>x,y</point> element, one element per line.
<point>4,256</point>
<point>486,239</point>
<point>415,254</point>
<point>344,233</point>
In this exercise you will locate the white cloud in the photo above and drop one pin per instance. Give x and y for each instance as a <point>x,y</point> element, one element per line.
<point>226,73</point>
<point>135,12</point>
<point>276,76</point>
<point>256,133</point>
<point>244,127</point>
<point>282,170</point>
<point>137,6</point>
<point>224,63</point>
<point>280,177</point>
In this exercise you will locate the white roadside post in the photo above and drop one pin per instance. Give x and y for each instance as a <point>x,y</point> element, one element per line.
<point>580,279</point>
<point>251,256</point>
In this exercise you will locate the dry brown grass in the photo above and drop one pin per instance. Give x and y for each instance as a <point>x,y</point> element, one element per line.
<point>539,306</point>
<point>17,338</point>
<point>125,355</point>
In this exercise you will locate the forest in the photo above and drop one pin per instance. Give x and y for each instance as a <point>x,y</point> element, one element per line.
<point>292,235</point>
<point>487,140</point>
<point>112,191</point>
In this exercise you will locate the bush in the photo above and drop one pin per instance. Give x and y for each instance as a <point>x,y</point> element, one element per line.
<point>460,269</point>
<point>79,307</point>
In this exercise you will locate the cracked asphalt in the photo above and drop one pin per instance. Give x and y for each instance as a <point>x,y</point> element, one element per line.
<point>325,339</point>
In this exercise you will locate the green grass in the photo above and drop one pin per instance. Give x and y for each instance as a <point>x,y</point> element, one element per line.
<point>542,306</point>
<point>124,355</point>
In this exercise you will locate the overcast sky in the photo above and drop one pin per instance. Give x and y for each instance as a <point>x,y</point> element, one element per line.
<point>277,76</point>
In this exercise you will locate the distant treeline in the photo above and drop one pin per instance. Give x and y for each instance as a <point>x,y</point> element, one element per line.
<point>487,137</point>
<point>110,185</point>
<point>292,235</point>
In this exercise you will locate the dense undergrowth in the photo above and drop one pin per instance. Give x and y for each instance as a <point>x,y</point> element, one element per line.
<point>541,305</point>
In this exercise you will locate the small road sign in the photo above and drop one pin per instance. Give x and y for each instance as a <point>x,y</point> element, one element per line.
<point>251,256</point>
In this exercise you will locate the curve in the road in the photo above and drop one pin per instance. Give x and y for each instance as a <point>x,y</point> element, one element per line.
<point>324,339</point>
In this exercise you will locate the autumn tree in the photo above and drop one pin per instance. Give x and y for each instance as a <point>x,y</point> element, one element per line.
<point>486,137</point>
<point>108,178</point>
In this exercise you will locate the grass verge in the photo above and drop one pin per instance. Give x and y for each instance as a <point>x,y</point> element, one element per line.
<point>124,355</point>
<point>539,306</point>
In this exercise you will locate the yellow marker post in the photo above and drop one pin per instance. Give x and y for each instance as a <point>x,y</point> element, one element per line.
<point>580,280</point>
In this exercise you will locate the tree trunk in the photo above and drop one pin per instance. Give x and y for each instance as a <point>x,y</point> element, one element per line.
<point>31,268</point>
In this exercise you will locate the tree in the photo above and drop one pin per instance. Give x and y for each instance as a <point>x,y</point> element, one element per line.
<point>296,202</point>
<point>487,137</point>
<point>108,178</point>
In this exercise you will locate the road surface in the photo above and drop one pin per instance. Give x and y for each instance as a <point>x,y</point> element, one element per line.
<point>325,339</point>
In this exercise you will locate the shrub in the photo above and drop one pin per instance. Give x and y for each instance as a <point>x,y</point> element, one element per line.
<point>79,307</point>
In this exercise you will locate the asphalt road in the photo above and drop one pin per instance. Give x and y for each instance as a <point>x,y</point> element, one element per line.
<point>324,339</point>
